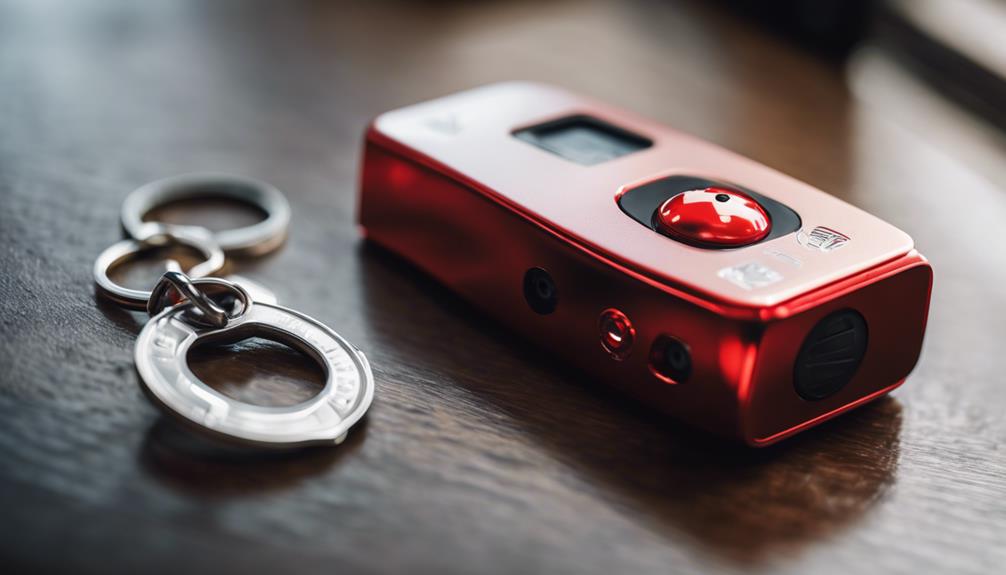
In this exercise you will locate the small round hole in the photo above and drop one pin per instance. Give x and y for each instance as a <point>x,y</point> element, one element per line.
<point>540,291</point>
<point>670,360</point>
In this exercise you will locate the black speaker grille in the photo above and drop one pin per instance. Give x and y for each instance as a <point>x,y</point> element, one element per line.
<point>830,355</point>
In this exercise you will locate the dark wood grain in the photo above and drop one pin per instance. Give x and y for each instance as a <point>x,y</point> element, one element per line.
<point>480,454</point>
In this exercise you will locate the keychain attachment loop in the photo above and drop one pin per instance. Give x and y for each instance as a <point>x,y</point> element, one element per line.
<point>175,287</point>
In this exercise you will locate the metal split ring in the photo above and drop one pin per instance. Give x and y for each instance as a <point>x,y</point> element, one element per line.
<point>125,250</point>
<point>256,239</point>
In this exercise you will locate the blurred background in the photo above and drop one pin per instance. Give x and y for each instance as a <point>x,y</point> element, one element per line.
<point>480,454</point>
<point>934,67</point>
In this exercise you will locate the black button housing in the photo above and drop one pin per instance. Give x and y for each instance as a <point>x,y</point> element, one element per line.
<point>641,204</point>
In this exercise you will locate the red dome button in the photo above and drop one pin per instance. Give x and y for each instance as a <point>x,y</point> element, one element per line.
<point>713,217</point>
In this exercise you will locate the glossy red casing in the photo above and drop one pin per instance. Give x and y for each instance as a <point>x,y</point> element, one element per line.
<point>446,185</point>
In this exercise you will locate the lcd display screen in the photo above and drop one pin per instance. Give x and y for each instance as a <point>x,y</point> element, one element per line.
<point>583,139</point>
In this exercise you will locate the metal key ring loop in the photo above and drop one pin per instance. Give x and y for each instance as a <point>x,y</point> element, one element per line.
<point>125,250</point>
<point>255,239</point>
<point>206,312</point>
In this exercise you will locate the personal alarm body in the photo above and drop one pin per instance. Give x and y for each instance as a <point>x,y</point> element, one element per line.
<point>718,290</point>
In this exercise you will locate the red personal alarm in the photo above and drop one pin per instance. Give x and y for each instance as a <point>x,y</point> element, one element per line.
<point>709,286</point>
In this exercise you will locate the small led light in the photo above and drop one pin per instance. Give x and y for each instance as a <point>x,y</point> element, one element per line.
<point>617,333</point>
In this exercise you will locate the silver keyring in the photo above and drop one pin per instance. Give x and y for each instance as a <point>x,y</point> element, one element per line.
<point>163,346</point>
<point>205,311</point>
<point>129,249</point>
<point>255,239</point>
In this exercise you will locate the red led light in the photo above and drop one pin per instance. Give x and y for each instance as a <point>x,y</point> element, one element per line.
<point>617,333</point>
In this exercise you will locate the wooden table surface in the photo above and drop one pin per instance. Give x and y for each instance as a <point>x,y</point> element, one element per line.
<point>480,454</point>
